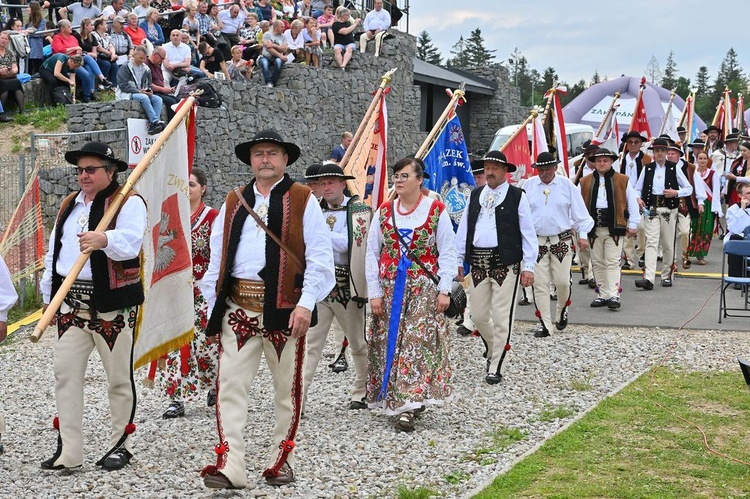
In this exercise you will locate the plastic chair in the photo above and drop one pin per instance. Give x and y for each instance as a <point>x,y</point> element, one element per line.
<point>741,249</point>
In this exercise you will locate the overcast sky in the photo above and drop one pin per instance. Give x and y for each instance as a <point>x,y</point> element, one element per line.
<point>574,38</point>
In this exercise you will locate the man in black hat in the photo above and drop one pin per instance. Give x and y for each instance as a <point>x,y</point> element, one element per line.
<point>496,236</point>
<point>612,203</point>
<point>101,307</point>
<point>586,167</point>
<point>659,188</point>
<point>558,213</point>
<point>631,164</point>
<point>713,141</point>
<point>348,220</point>
<point>271,263</point>
<point>721,162</point>
<point>311,179</point>
<point>682,135</point>
<point>690,206</point>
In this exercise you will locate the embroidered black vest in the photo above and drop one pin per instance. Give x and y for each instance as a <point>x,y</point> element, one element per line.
<point>670,182</point>
<point>117,284</point>
<point>508,227</point>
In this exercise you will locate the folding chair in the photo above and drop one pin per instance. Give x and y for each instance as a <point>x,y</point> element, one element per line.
<point>740,249</point>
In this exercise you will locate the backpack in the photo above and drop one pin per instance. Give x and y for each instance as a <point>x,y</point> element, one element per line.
<point>61,95</point>
<point>209,97</point>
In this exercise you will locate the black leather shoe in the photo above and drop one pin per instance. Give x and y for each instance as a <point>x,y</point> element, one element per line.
<point>285,476</point>
<point>217,481</point>
<point>523,301</point>
<point>583,281</point>
<point>541,332</point>
<point>117,460</point>
<point>463,330</point>
<point>356,405</point>
<point>211,398</point>
<point>592,283</point>
<point>563,321</point>
<point>599,302</point>
<point>666,283</point>
<point>175,410</point>
<point>613,303</point>
<point>644,284</point>
<point>49,464</point>
<point>340,365</point>
<point>493,378</point>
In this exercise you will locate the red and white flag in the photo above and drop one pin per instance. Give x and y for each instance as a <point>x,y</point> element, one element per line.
<point>166,318</point>
<point>368,161</point>
<point>640,119</point>
<point>538,140</point>
<point>517,153</point>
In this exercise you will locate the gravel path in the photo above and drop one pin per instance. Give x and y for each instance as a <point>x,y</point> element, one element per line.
<point>345,453</point>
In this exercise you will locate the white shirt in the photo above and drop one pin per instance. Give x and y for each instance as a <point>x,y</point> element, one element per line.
<point>8,294</point>
<point>700,190</point>
<point>657,187</point>
<point>737,220</point>
<point>485,233</point>
<point>634,213</point>
<point>109,12</point>
<point>558,210</point>
<point>631,169</point>
<point>232,25</point>
<point>445,240</point>
<point>339,233</point>
<point>250,257</point>
<point>715,189</point>
<point>123,242</point>
<point>377,19</point>
<point>176,54</point>
<point>292,43</point>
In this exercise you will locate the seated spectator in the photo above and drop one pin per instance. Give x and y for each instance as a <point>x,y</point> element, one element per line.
<point>194,71</point>
<point>134,83</point>
<point>267,10</point>
<point>9,83</point>
<point>191,23</point>
<point>88,43</point>
<point>343,37</point>
<point>212,61</point>
<point>288,12</point>
<point>738,220</point>
<point>249,38</point>
<point>150,25</point>
<point>313,42</point>
<point>19,44</point>
<point>56,71</point>
<point>274,53</point>
<point>3,117</point>
<point>325,23</point>
<point>305,9</point>
<point>162,90</point>
<point>116,8</point>
<point>106,55</point>
<point>319,7</point>
<point>232,19</point>
<point>176,64</point>
<point>239,69</point>
<point>204,22</point>
<point>136,33</point>
<point>84,8</point>
<point>141,10</point>
<point>376,25</point>
<point>35,23</point>
<point>338,152</point>
<point>13,24</point>
<point>252,9</point>
<point>295,41</point>
<point>65,43</point>
<point>166,21</point>
<point>121,41</point>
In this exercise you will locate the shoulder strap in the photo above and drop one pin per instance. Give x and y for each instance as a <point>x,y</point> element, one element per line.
<point>406,247</point>
<point>263,226</point>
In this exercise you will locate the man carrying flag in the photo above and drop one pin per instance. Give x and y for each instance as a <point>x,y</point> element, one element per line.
<point>631,164</point>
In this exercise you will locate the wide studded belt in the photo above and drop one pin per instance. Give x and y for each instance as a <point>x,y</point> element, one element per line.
<point>602,217</point>
<point>485,258</point>
<point>248,294</point>
<point>660,202</point>
<point>342,275</point>
<point>79,295</point>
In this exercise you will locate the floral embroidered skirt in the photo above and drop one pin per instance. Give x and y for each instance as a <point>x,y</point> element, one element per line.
<point>702,230</point>
<point>421,371</point>
<point>202,361</point>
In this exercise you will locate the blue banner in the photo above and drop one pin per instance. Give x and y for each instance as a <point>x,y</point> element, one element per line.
<point>450,169</point>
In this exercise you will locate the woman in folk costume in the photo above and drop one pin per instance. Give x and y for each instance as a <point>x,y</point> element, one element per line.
<point>194,365</point>
<point>702,227</point>
<point>408,339</point>
<point>738,173</point>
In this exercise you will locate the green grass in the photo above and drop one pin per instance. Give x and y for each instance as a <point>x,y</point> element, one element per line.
<point>418,493</point>
<point>456,477</point>
<point>550,413</point>
<point>499,439</point>
<point>631,447</point>
<point>582,384</point>
<point>44,119</point>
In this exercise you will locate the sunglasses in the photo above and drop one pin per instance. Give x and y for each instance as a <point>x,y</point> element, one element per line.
<point>90,170</point>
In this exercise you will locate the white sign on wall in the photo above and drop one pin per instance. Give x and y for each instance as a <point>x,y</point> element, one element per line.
<point>139,141</point>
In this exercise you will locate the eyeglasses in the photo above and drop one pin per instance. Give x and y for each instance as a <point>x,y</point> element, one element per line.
<point>90,170</point>
<point>400,177</point>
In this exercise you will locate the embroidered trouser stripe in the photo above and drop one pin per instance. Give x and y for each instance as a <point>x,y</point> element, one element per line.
<point>550,270</point>
<point>72,351</point>
<point>352,321</point>
<point>605,256</point>
<point>660,232</point>
<point>493,315</point>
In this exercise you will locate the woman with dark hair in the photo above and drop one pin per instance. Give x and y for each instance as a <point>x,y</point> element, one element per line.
<point>194,365</point>
<point>36,22</point>
<point>106,56</point>
<point>9,82</point>
<point>408,335</point>
<point>702,227</point>
<point>738,174</point>
<point>150,25</point>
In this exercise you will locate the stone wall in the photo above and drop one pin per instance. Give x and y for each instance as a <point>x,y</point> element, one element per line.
<point>309,107</point>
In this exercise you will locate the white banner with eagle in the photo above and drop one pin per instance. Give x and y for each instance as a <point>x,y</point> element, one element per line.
<point>166,319</point>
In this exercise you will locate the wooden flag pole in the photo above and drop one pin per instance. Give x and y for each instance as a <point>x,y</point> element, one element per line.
<point>522,126</point>
<point>683,114</point>
<point>608,115</point>
<point>113,208</point>
<point>441,122</point>
<point>548,105</point>
<point>669,106</point>
<point>385,80</point>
